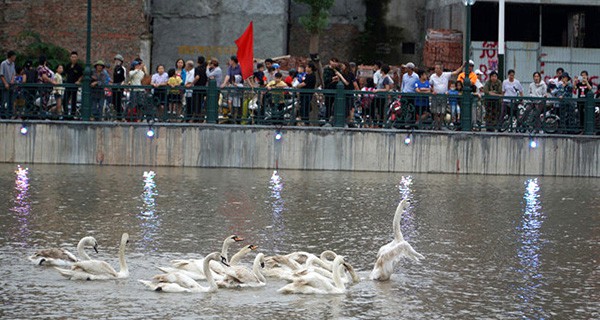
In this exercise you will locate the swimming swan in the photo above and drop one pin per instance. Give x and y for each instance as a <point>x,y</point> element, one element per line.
<point>241,276</point>
<point>194,266</point>
<point>397,248</point>
<point>324,266</point>
<point>315,283</point>
<point>217,268</point>
<point>97,269</point>
<point>183,283</point>
<point>62,257</point>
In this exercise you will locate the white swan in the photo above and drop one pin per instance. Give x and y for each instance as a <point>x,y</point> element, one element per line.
<point>217,268</point>
<point>315,283</point>
<point>99,270</point>
<point>393,251</point>
<point>323,266</point>
<point>183,283</point>
<point>194,266</point>
<point>62,257</point>
<point>241,276</point>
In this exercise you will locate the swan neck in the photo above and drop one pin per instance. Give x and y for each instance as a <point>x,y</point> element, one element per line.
<point>238,256</point>
<point>256,269</point>
<point>81,251</point>
<point>337,269</point>
<point>122,263</point>
<point>225,248</point>
<point>208,272</point>
<point>397,218</point>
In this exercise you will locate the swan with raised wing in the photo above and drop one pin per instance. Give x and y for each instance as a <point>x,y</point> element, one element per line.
<point>393,251</point>
<point>61,257</point>
<point>180,282</point>
<point>97,269</point>
<point>315,283</point>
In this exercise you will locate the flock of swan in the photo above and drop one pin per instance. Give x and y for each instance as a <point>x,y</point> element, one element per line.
<point>306,273</point>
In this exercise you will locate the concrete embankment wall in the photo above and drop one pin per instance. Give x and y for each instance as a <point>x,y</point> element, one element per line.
<point>300,148</point>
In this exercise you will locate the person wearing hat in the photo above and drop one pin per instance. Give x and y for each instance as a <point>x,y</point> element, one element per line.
<point>99,80</point>
<point>409,79</point>
<point>493,90</point>
<point>472,75</point>
<point>119,73</point>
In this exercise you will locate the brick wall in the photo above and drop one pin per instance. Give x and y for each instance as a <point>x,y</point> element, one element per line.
<point>116,25</point>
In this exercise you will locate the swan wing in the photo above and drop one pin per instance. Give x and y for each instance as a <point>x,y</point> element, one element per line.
<point>164,287</point>
<point>179,278</point>
<point>404,249</point>
<point>95,267</point>
<point>193,265</point>
<point>193,275</point>
<point>53,257</point>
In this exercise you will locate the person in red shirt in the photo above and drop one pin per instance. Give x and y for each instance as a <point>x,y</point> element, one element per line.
<point>290,78</point>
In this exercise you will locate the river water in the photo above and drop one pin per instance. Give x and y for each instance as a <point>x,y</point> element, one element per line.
<point>494,246</point>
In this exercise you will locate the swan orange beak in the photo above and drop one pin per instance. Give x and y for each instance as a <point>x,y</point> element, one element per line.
<point>237,239</point>
<point>253,247</point>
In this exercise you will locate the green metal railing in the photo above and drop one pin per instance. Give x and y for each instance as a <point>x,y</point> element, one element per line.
<point>298,107</point>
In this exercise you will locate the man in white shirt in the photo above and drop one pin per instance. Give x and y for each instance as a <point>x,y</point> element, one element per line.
<point>439,83</point>
<point>377,74</point>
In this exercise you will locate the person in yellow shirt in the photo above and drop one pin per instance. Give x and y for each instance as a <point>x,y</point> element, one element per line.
<point>174,96</point>
<point>277,97</point>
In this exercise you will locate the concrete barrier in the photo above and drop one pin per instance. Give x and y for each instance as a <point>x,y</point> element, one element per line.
<point>304,148</point>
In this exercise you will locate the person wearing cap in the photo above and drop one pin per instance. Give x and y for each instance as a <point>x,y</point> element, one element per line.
<point>472,75</point>
<point>409,79</point>
<point>99,80</point>
<point>493,90</point>
<point>119,73</point>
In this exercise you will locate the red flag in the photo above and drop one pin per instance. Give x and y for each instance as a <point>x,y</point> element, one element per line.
<point>245,52</point>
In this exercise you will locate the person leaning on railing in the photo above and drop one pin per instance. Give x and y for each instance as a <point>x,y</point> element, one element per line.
<point>493,90</point>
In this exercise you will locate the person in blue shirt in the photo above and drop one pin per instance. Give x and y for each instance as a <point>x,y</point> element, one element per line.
<point>422,86</point>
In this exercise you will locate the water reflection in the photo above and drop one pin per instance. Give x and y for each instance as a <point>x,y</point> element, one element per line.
<point>278,205</point>
<point>22,205</point>
<point>149,220</point>
<point>529,248</point>
<point>408,218</point>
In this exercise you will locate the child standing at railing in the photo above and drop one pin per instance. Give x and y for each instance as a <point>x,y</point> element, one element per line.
<point>57,80</point>
<point>174,96</point>
<point>453,102</point>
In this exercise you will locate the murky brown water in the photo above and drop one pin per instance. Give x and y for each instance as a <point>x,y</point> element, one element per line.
<point>494,247</point>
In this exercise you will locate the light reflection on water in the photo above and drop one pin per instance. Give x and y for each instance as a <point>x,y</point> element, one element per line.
<point>491,250</point>
<point>22,205</point>
<point>149,218</point>
<point>278,206</point>
<point>529,249</point>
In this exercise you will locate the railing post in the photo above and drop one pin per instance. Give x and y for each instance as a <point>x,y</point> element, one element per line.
<point>465,109</point>
<point>589,116</point>
<point>211,102</point>
<point>339,117</point>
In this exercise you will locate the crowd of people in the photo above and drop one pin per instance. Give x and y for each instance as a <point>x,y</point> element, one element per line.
<point>179,91</point>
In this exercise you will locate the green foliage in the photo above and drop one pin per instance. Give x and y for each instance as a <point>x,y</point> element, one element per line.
<point>33,47</point>
<point>316,20</point>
